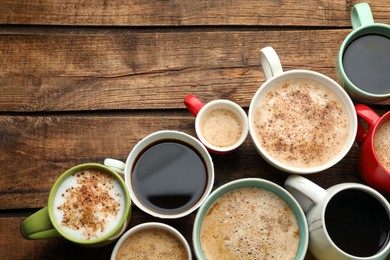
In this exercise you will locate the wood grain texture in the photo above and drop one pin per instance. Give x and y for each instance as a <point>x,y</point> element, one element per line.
<point>185,12</point>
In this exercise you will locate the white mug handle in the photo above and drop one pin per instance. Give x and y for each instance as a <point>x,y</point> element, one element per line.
<point>116,165</point>
<point>306,192</point>
<point>270,62</point>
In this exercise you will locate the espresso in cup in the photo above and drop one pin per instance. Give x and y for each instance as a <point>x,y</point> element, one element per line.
<point>382,145</point>
<point>250,223</point>
<point>221,127</point>
<point>301,123</point>
<point>89,204</point>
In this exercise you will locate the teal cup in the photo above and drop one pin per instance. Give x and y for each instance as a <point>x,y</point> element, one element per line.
<point>363,62</point>
<point>243,218</point>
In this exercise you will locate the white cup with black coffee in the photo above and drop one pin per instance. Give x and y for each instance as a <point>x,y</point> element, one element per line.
<point>346,221</point>
<point>301,121</point>
<point>168,173</point>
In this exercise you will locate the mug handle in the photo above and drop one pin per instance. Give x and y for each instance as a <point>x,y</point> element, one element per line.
<point>270,62</point>
<point>193,104</point>
<point>368,115</point>
<point>38,226</point>
<point>116,165</point>
<point>361,15</point>
<point>306,192</point>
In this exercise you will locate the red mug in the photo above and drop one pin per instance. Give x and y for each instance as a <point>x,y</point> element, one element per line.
<point>371,169</point>
<point>221,125</point>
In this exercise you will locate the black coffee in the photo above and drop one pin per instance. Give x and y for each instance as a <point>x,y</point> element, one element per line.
<point>357,223</point>
<point>169,177</point>
<point>366,62</point>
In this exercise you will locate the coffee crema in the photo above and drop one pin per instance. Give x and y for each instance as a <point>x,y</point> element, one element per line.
<point>89,204</point>
<point>249,223</point>
<point>301,123</point>
<point>221,127</point>
<point>152,244</point>
<point>382,145</point>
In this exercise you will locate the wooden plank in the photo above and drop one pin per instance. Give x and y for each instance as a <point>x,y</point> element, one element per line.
<point>78,69</point>
<point>185,13</point>
<point>35,150</point>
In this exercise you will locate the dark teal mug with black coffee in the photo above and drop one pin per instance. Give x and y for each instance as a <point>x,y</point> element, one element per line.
<point>363,63</point>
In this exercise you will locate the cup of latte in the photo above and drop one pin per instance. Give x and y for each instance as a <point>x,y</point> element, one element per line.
<point>221,125</point>
<point>301,121</point>
<point>250,219</point>
<point>89,205</point>
<point>374,143</point>
<point>153,241</point>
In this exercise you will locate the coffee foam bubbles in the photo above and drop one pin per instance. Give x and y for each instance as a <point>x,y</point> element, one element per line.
<point>89,205</point>
<point>249,223</point>
<point>382,144</point>
<point>301,123</point>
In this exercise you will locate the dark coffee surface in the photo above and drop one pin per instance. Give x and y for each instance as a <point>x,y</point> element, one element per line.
<point>357,223</point>
<point>169,177</point>
<point>366,62</point>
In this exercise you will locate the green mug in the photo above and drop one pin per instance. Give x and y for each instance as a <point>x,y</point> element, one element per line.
<point>89,205</point>
<point>363,62</point>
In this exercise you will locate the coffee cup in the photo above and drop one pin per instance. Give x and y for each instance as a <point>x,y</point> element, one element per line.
<point>152,240</point>
<point>374,143</point>
<point>168,173</point>
<point>363,61</point>
<point>89,205</point>
<point>221,125</point>
<point>301,121</point>
<point>346,221</point>
<point>250,218</point>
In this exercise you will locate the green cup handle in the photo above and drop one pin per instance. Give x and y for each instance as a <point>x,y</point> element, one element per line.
<point>38,226</point>
<point>361,15</point>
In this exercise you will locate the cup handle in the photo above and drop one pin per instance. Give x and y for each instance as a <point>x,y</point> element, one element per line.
<point>38,226</point>
<point>116,165</point>
<point>270,62</point>
<point>368,115</point>
<point>361,15</point>
<point>193,104</point>
<point>306,192</point>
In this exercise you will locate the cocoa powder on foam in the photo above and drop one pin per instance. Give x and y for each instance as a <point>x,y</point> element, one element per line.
<point>301,123</point>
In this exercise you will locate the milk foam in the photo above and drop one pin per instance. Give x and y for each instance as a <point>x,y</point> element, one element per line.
<point>249,223</point>
<point>86,212</point>
<point>152,244</point>
<point>221,127</point>
<point>382,144</point>
<point>301,123</point>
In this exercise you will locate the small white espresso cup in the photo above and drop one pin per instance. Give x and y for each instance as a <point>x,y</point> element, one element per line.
<point>174,241</point>
<point>289,118</point>
<point>168,173</point>
<point>221,125</point>
<point>346,221</point>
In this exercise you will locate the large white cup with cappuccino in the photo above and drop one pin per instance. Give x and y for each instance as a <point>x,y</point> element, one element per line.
<point>301,121</point>
<point>89,204</point>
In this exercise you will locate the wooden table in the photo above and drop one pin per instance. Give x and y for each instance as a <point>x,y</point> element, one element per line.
<point>84,80</point>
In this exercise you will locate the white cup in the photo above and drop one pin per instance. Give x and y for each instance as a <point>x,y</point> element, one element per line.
<point>151,225</point>
<point>275,76</point>
<point>180,182</point>
<point>343,219</point>
<point>226,135</point>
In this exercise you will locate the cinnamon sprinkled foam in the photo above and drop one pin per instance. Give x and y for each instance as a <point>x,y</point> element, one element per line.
<point>89,204</point>
<point>301,123</point>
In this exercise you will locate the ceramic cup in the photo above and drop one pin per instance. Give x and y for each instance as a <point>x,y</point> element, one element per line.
<point>363,61</point>
<point>89,205</point>
<point>221,125</point>
<point>374,143</point>
<point>151,240</point>
<point>346,221</point>
<point>301,121</point>
<point>168,173</point>
<point>250,218</point>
